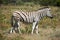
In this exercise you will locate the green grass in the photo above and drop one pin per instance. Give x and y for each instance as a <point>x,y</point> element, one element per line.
<point>47,26</point>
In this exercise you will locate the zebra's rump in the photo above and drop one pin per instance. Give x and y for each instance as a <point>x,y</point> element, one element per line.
<point>24,16</point>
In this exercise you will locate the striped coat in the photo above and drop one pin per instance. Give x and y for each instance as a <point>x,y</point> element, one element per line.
<point>30,17</point>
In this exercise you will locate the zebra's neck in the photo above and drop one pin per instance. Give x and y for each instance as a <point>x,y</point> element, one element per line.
<point>41,13</point>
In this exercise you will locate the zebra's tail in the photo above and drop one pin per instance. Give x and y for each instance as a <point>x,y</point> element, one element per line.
<point>12,18</point>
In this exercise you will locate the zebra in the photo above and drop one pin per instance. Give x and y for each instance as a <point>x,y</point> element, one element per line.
<point>29,17</point>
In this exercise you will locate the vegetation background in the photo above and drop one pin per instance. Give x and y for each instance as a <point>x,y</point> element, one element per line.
<point>49,29</point>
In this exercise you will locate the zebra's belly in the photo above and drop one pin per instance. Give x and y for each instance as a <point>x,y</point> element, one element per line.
<point>28,20</point>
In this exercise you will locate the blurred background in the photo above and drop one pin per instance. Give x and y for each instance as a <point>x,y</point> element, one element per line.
<point>49,29</point>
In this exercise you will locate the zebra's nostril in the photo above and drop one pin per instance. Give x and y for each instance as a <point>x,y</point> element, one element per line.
<point>17,18</point>
<point>51,17</point>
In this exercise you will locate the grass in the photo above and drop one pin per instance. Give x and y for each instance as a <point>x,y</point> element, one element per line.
<point>48,28</point>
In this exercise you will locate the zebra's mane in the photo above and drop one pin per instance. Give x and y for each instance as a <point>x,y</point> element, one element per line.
<point>43,8</point>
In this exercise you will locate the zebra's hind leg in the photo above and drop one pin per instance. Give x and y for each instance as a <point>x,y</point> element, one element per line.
<point>19,31</point>
<point>12,30</point>
<point>18,28</point>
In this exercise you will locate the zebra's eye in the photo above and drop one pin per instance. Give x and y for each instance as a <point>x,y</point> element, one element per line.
<point>49,10</point>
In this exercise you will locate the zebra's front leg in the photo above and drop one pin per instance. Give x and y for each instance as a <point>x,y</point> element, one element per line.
<point>33,27</point>
<point>37,29</point>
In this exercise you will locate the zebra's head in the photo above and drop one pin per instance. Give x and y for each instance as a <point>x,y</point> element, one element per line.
<point>49,13</point>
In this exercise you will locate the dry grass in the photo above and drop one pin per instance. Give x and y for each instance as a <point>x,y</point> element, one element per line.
<point>49,29</point>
